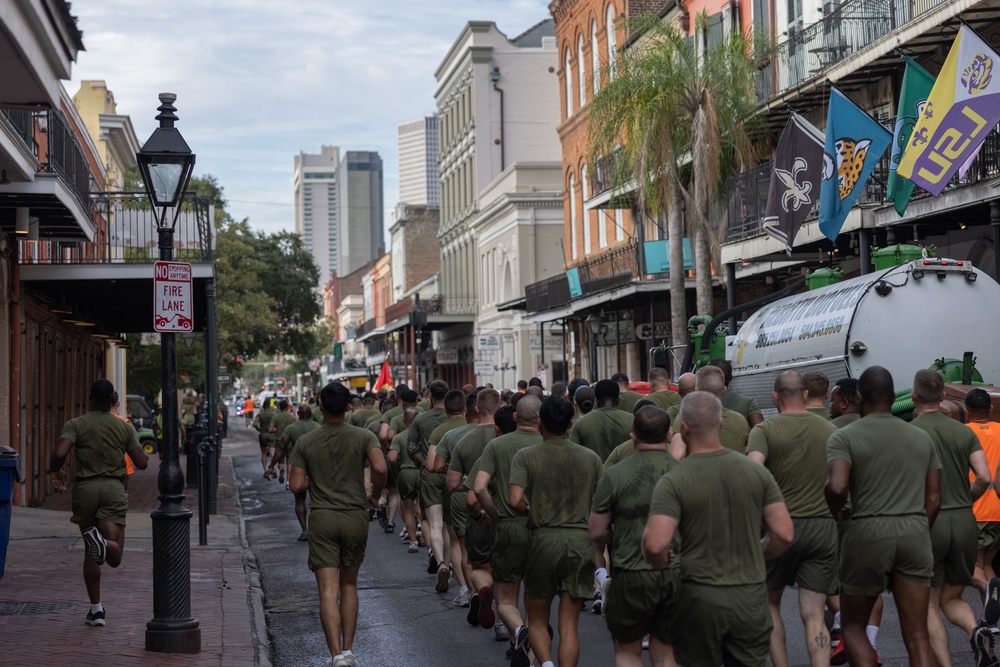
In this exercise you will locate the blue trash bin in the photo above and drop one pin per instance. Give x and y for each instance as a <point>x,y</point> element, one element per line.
<point>8,475</point>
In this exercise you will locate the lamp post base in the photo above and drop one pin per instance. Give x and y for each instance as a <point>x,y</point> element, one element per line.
<point>173,637</point>
<point>172,629</point>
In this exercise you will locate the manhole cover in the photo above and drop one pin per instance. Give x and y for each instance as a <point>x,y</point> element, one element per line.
<point>12,608</point>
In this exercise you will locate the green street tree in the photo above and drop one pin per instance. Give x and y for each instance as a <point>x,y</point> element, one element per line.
<point>679,117</point>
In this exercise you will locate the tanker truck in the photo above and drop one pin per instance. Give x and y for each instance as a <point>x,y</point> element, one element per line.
<point>917,313</point>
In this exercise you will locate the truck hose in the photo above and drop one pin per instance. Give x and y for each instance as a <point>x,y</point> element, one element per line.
<point>903,406</point>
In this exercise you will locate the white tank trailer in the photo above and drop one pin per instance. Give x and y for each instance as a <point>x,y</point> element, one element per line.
<point>902,318</point>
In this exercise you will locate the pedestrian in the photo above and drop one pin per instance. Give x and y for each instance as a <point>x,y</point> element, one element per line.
<point>407,477</point>
<point>329,462</point>
<point>248,410</point>
<point>291,434</point>
<point>265,430</point>
<point>283,418</point>
<point>735,428</point>
<point>659,389</point>
<point>626,398</point>
<point>892,472</point>
<point>844,402</point>
<point>100,500</point>
<point>987,508</point>
<point>553,484</point>
<point>741,403</point>
<point>606,427</point>
<point>817,391</point>
<point>716,501</point>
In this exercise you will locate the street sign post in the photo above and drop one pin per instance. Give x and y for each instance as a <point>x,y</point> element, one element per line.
<point>172,306</point>
<point>225,377</point>
<point>484,368</point>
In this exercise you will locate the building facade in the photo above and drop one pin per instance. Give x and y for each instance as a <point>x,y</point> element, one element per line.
<point>418,161</point>
<point>317,211</point>
<point>361,216</point>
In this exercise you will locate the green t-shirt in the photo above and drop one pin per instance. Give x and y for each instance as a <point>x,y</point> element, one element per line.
<point>264,419</point>
<point>297,429</point>
<point>281,421</point>
<point>601,430</point>
<point>559,478</point>
<point>628,399</point>
<point>625,492</point>
<point>665,398</point>
<point>361,417</point>
<point>317,414</point>
<point>845,419</point>
<point>470,447</point>
<point>734,432</point>
<point>741,403</point>
<point>718,499</point>
<point>394,412</point>
<point>399,445</point>
<point>422,427</point>
<point>619,454</point>
<point>446,447</point>
<point>102,440</point>
<point>794,447</point>
<point>334,458</point>
<point>954,444</point>
<point>889,461</point>
<point>822,412</point>
<point>470,477</point>
<point>424,404</point>
<point>496,460</point>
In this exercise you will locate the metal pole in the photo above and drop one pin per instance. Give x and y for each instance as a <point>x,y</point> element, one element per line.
<point>212,379</point>
<point>618,346</point>
<point>731,295</point>
<point>541,334</point>
<point>565,360</point>
<point>864,250</point>
<point>172,630</point>
<point>203,492</point>
<point>995,221</point>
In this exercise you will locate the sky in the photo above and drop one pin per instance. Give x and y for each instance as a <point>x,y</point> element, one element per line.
<point>258,81</point>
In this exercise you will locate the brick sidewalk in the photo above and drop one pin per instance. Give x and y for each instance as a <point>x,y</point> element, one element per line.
<point>44,565</point>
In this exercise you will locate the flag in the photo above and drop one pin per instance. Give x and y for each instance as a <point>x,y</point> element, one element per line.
<point>917,85</point>
<point>383,378</point>
<point>854,145</point>
<point>795,177</point>
<point>962,109</point>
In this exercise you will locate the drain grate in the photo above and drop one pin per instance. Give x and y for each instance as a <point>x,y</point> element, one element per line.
<point>13,608</point>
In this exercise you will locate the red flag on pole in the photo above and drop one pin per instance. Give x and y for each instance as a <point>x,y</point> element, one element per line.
<point>383,378</point>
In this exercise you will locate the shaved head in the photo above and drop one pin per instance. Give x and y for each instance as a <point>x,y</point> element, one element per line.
<point>409,414</point>
<point>928,387</point>
<point>650,425</point>
<point>534,390</point>
<point>487,401</point>
<point>304,411</point>
<point>687,383</point>
<point>788,384</point>
<point>527,410</point>
<point>701,413</point>
<point>712,380</point>
<point>876,388</point>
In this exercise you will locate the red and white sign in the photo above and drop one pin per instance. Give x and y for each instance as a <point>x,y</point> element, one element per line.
<point>173,311</point>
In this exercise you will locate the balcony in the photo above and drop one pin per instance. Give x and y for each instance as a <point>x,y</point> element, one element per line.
<point>613,268</point>
<point>548,294</point>
<point>448,304</point>
<point>844,30</point>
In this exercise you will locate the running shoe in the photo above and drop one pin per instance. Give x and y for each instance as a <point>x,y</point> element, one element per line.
<point>96,618</point>
<point>598,602</point>
<point>341,662</point>
<point>97,546</point>
<point>983,640</point>
<point>413,548</point>
<point>390,529</point>
<point>432,564</point>
<point>351,661</point>
<point>838,656</point>
<point>281,476</point>
<point>834,637</point>
<point>462,600</point>
<point>519,657</point>
<point>472,618</point>
<point>444,574</point>
<point>383,517</point>
<point>303,536</point>
<point>501,634</point>
<point>645,643</point>
<point>991,610</point>
<point>487,617</point>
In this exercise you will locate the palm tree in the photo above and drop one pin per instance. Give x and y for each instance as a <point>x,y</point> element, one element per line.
<point>679,120</point>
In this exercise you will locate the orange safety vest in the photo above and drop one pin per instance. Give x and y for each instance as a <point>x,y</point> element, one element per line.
<point>129,468</point>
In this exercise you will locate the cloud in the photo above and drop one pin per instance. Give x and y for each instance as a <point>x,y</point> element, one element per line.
<point>259,81</point>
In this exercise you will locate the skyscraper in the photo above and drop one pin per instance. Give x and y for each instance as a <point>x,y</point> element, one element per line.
<point>315,183</point>
<point>418,162</point>
<point>361,215</point>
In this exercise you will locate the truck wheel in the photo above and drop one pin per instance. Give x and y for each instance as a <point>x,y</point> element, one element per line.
<point>149,446</point>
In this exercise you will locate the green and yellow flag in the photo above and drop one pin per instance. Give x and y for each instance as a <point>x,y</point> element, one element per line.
<point>917,85</point>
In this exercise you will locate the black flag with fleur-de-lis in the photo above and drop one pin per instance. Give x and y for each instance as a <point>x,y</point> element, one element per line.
<point>795,178</point>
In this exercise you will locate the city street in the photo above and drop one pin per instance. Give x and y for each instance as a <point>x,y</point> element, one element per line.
<point>401,617</point>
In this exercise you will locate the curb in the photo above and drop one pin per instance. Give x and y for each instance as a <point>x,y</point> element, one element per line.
<point>255,593</point>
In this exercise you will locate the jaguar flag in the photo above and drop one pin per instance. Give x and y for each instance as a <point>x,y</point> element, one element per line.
<point>962,109</point>
<point>795,175</point>
<point>854,145</point>
<point>917,85</point>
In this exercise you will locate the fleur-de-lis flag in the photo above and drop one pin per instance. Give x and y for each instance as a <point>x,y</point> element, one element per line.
<point>795,176</point>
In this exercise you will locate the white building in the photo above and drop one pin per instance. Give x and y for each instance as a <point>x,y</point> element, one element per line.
<point>316,210</point>
<point>418,162</point>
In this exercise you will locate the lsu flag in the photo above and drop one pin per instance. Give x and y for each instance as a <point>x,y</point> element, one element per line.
<point>962,109</point>
<point>854,144</point>
<point>795,179</point>
<point>917,85</point>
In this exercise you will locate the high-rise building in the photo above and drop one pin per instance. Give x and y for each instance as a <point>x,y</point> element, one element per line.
<point>362,216</point>
<point>418,162</point>
<point>316,211</point>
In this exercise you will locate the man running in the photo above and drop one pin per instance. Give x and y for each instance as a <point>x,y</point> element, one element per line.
<point>892,472</point>
<point>817,391</point>
<point>987,508</point>
<point>368,411</point>
<point>735,428</point>
<point>291,434</point>
<point>100,501</point>
<point>407,478</point>
<point>844,402</point>
<point>556,480</point>
<point>639,600</point>
<point>509,539</point>
<point>954,533</point>
<point>716,502</point>
<point>262,422</point>
<point>626,397</point>
<point>659,389</point>
<point>605,428</point>
<point>282,419</point>
<point>792,446</point>
<point>745,405</point>
<point>329,462</point>
<point>248,411</point>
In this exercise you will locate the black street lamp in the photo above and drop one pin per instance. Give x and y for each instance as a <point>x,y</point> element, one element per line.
<point>166,162</point>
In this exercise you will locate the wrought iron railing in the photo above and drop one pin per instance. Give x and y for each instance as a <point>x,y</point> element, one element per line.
<point>23,124</point>
<point>547,294</point>
<point>844,30</point>
<point>448,304</point>
<point>611,268</point>
<point>65,157</point>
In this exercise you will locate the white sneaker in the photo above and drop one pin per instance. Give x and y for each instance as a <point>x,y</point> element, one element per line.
<point>462,600</point>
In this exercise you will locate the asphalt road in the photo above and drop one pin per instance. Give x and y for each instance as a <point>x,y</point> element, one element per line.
<point>402,621</point>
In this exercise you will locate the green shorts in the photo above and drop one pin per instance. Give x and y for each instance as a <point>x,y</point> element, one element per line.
<point>953,542</point>
<point>711,621</point>
<point>640,603</point>
<point>559,561</point>
<point>102,498</point>
<point>989,535</point>
<point>478,542</point>
<point>811,561</point>
<point>432,488</point>
<point>456,514</point>
<point>337,538</point>
<point>266,441</point>
<point>509,552</point>
<point>408,483</point>
<point>879,547</point>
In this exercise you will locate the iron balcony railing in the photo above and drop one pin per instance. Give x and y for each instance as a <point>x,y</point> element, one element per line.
<point>23,124</point>
<point>547,294</point>
<point>747,192</point>
<point>127,234</point>
<point>844,30</point>
<point>65,156</point>
<point>448,304</point>
<point>612,268</point>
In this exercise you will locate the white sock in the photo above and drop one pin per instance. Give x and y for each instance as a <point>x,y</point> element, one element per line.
<point>347,653</point>
<point>94,608</point>
<point>601,575</point>
<point>548,663</point>
<point>517,630</point>
<point>836,620</point>
<point>463,590</point>
<point>872,632</point>
<point>338,657</point>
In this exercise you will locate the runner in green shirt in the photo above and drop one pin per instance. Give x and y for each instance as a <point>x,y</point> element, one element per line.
<point>361,417</point>
<point>626,397</point>
<point>639,600</point>
<point>844,402</point>
<point>407,479</point>
<point>659,388</point>
<point>817,392</point>
<point>286,443</point>
<point>716,500</point>
<point>330,463</point>
<point>282,418</point>
<point>603,429</point>
<point>893,475</point>
<point>735,428</point>
<point>262,422</point>
<point>735,401</point>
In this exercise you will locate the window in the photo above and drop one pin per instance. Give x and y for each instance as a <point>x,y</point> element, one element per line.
<point>582,71</point>
<point>602,228</point>
<point>595,58</point>
<point>572,217</point>
<point>568,71</point>
<point>584,189</point>
<point>619,225</point>
<point>612,45</point>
